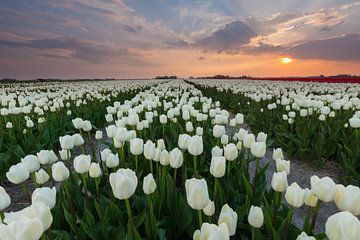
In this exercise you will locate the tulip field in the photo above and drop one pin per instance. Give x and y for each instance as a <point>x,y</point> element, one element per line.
<point>177,159</point>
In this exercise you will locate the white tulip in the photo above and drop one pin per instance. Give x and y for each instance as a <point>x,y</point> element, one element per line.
<point>149,184</point>
<point>279,181</point>
<point>256,217</point>
<point>82,163</point>
<point>123,183</point>
<point>197,194</point>
<point>229,217</point>
<point>45,195</point>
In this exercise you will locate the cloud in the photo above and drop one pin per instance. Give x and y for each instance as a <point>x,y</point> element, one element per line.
<point>343,48</point>
<point>69,48</point>
<point>227,39</point>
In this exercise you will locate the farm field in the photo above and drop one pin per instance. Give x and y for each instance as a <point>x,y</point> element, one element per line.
<point>180,159</point>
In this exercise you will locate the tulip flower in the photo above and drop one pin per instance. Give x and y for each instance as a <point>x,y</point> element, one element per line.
<point>59,172</point>
<point>279,182</point>
<point>229,217</point>
<point>295,195</point>
<point>45,195</point>
<point>195,148</point>
<point>304,236</point>
<point>197,195</point>
<point>348,198</point>
<point>123,184</point>
<point>4,200</point>
<point>256,217</point>
<point>149,184</point>
<point>212,231</point>
<point>342,225</point>
<point>323,188</point>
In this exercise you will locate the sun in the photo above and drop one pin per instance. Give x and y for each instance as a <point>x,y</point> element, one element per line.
<point>285,60</point>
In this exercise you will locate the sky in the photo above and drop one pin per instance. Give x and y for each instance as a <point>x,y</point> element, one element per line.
<point>145,38</point>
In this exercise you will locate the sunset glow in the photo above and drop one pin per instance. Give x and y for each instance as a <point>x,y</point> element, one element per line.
<point>285,60</point>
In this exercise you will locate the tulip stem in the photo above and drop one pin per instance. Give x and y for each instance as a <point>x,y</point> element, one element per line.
<point>256,173</point>
<point>277,199</point>
<point>252,233</point>
<point>130,218</point>
<point>195,167</point>
<point>85,187</point>
<point>136,164</point>
<point>1,216</point>
<point>215,191</point>
<point>151,166</point>
<point>314,217</point>
<point>200,218</point>
<point>26,189</point>
<point>43,237</point>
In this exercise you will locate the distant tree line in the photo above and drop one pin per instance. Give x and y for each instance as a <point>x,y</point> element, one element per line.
<point>166,77</point>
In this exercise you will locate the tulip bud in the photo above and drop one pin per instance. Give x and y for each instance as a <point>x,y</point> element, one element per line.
<point>295,195</point>
<point>41,176</point>
<point>77,139</point>
<point>123,183</point>
<point>18,173</point>
<point>218,166</point>
<point>230,152</point>
<point>78,123</point>
<point>249,139</point>
<point>5,199</point>
<point>98,135</point>
<point>229,217</point>
<point>258,149</point>
<point>160,144</point>
<point>323,189</point>
<point>95,170</point>
<point>45,195</point>
<point>87,126</point>
<point>279,181</point>
<point>216,151</point>
<point>136,146</point>
<point>112,160</point>
<point>149,150</point>
<point>82,163</point>
<point>195,145</point>
<point>182,141</point>
<point>261,137</point>
<point>283,165</point>
<point>277,153</point>
<point>59,172</point>
<point>197,194</point>
<point>149,184</point>
<point>66,142</point>
<point>176,158</point>
<point>218,131</point>
<point>29,123</point>
<point>224,139</point>
<point>164,158</point>
<point>342,225</point>
<point>199,131</point>
<point>209,210</point>
<point>256,217</point>
<point>189,127</point>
